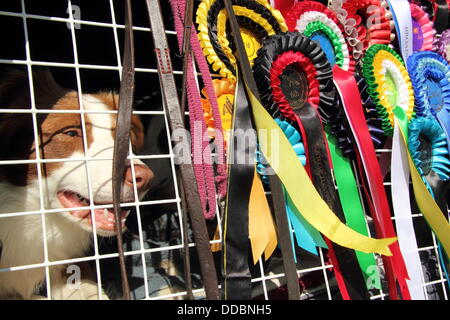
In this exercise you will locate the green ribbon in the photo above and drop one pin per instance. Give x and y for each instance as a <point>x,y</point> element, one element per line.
<point>353,210</point>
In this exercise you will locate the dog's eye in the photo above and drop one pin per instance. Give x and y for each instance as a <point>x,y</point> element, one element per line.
<point>72,133</point>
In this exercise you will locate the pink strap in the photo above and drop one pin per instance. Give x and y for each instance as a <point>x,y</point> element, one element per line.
<point>200,147</point>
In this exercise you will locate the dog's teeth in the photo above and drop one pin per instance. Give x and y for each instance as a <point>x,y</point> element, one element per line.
<point>123,220</point>
<point>105,214</point>
<point>111,220</point>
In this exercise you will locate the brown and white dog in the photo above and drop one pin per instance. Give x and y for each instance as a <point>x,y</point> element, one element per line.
<point>64,184</point>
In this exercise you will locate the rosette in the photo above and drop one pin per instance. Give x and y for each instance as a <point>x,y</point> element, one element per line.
<point>375,19</point>
<point>423,29</point>
<point>352,27</point>
<point>224,89</point>
<point>386,77</point>
<point>320,24</point>
<point>427,145</point>
<point>442,45</point>
<point>430,74</point>
<point>257,20</point>
<point>291,70</point>
<point>374,123</point>
<point>294,138</point>
<point>428,148</point>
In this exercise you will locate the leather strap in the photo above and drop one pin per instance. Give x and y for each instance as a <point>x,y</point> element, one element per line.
<point>122,138</point>
<point>185,229</point>
<point>247,75</point>
<point>172,108</point>
<point>284,238</point>
<point>186,51</point>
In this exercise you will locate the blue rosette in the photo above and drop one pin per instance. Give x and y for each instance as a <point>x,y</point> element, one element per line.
<point>430,76</point>
<point>429,151</point>
<point>294,138</point>
<point>306,235</point>
<point>428,148</point>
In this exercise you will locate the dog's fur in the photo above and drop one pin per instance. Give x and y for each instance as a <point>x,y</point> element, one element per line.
<point>68,233</point>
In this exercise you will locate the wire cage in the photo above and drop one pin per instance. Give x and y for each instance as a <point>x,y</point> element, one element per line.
<point>81,43</point>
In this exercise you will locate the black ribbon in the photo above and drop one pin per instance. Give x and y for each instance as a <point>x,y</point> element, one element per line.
<point>441,16</point>
<point>323,181</point>
<point>235,253</point>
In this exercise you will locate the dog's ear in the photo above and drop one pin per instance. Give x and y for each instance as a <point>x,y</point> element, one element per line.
<point>15,89</point>
<point>16,129</point>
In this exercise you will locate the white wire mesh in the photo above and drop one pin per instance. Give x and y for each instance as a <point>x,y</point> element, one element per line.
<point>267,275</point>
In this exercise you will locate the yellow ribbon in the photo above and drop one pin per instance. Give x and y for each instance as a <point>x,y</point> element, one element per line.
<point>427,205</point>
<point>305,197</point>
<point>261,226</point>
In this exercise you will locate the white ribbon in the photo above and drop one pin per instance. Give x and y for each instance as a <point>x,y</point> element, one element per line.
<point>403,24</point>
<point>402,212</point>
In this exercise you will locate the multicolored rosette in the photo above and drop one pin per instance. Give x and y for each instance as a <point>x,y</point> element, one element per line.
<point>257,20</point>
<point>320,24</point>
<point>292,70</point>
<point>352,27</point>
<point>294,138</point>
<point>224,89</point>
<point>375,18</point>
<point>423,29</point>
<point>389,84</point>
<point>428,148</point>
<point>442,45</point>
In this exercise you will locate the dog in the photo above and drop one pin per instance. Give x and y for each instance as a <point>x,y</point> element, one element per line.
<point>64,185</point>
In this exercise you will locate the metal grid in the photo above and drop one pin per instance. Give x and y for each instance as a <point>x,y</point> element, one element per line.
<point>267,275</point>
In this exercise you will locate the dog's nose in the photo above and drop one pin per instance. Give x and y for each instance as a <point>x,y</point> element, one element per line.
<point>143,176</point>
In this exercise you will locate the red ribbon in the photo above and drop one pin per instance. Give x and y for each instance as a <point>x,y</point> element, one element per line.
<point>394,265</point>
<point>283,6</point>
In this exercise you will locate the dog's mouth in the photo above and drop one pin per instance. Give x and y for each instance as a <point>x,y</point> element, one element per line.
<point>104,218</point>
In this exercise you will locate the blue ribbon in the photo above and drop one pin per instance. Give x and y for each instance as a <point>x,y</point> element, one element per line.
<point>306,235</point>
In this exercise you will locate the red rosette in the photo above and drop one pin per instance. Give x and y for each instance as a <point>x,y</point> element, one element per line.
<point>426,27</point>
<point>299,8</point>
<point>290,58</point>
<point>374,23</point>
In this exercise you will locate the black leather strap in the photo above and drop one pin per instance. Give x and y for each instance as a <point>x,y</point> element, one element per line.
<point>246,74</point>
<point>122,138</point>
<point>284,238</point>
<point>172,108</point>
